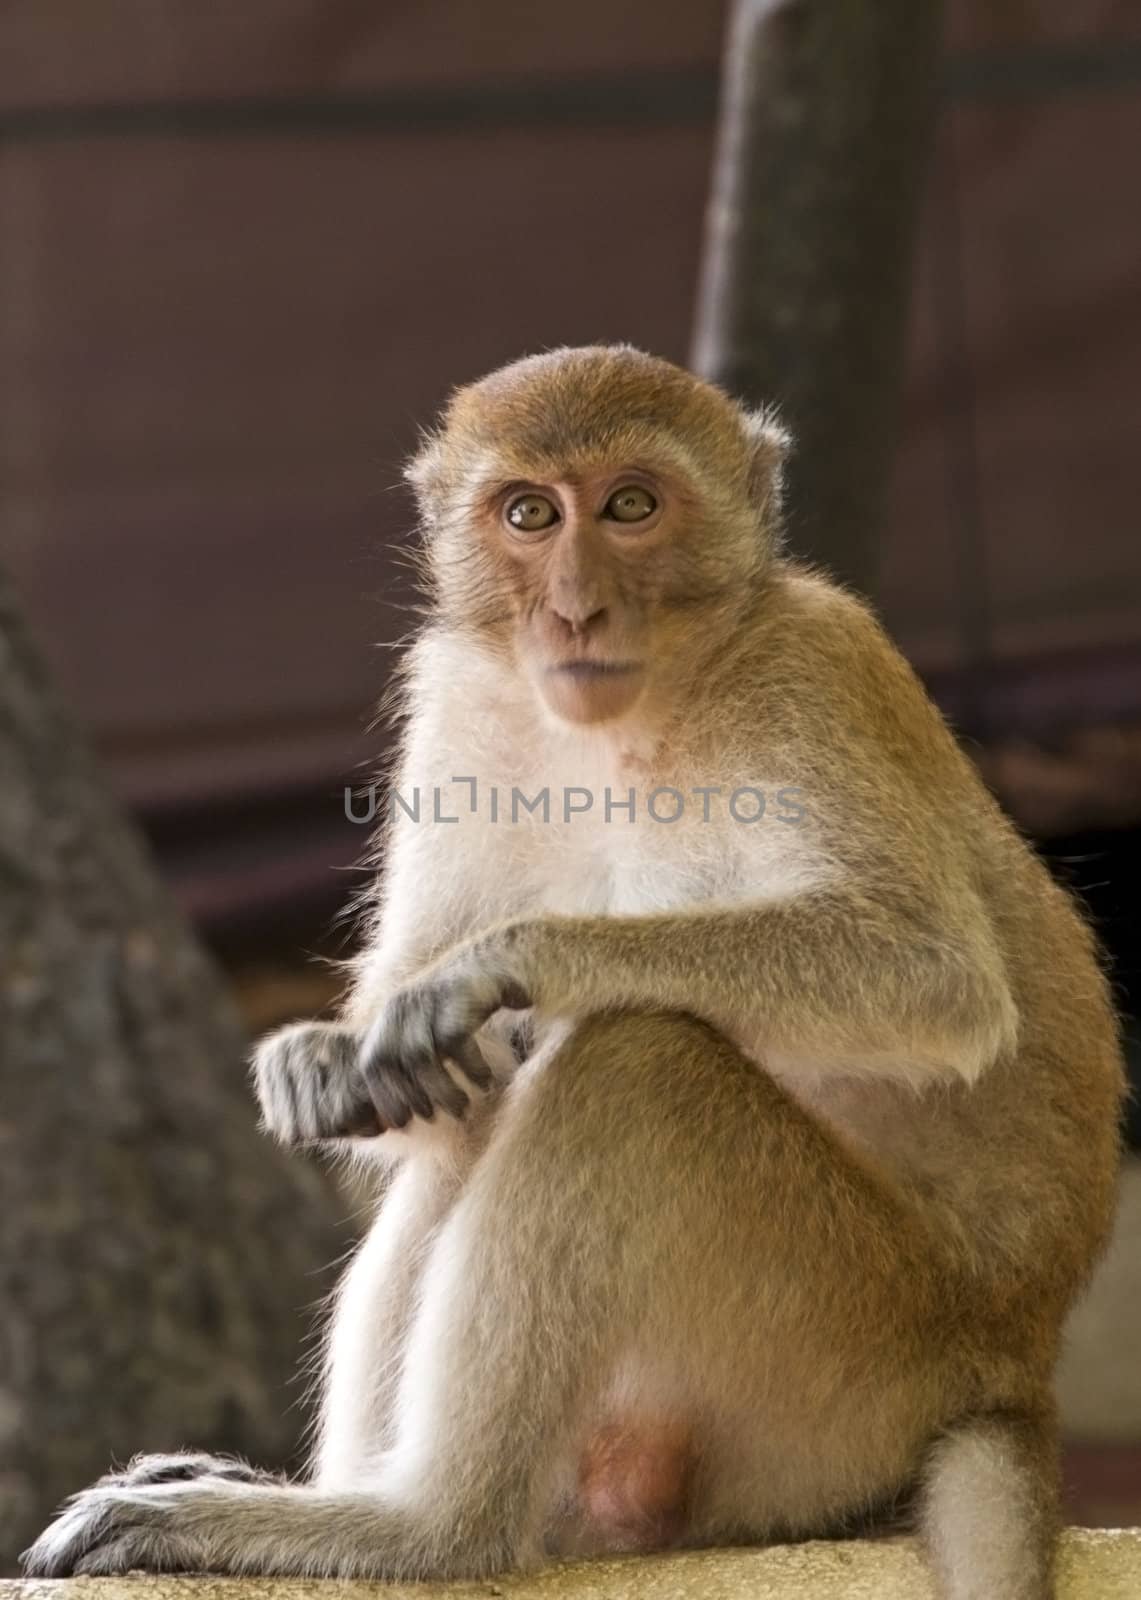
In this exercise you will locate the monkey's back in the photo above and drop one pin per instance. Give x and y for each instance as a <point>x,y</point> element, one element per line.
<point>1021,1164</point>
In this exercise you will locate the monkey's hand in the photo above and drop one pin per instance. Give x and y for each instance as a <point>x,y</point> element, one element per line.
<point>430,1024</point>
<point>310,1087</point>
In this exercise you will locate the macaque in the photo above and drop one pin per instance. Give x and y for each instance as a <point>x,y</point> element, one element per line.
<point>741,1167</point>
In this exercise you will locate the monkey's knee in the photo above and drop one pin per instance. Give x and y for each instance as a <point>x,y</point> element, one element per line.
<point>636,1047</point>
<point>635,1069</point>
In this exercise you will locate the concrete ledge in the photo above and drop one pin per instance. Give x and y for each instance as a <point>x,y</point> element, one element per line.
<point>1093,1565</point>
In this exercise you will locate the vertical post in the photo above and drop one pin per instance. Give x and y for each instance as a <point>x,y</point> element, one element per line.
<point>828,109</point>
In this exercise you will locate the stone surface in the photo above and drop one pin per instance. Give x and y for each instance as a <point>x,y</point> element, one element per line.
<point>1093,1565</point>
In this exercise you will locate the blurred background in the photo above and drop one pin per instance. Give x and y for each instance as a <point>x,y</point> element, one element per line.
<point>247,249</point>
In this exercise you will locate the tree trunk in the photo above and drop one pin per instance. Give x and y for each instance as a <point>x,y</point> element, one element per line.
<point>826,121</point>
<point>157,1255</point>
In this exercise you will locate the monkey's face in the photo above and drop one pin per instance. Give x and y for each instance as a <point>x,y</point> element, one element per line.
<point>599,517</point>
<point>584,559</point>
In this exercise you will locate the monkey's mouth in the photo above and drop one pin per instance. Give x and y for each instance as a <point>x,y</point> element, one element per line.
<point>586,670</point>
<point>588,690</point>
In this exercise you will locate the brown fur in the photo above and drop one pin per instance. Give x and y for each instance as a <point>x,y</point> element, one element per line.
<point>779,1220</point>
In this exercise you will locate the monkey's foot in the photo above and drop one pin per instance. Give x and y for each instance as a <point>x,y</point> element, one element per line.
<point>114,1528</point>
<point>182,1465</point>
<point>152,1515</point>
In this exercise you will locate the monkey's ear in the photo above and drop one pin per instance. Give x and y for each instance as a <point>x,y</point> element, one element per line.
<point>769,445</point>
<point>424,472</point>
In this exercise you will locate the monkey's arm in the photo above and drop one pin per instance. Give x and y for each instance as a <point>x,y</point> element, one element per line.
<point>310,1079</point>
<point>834,974</point>
<point>839,975</point>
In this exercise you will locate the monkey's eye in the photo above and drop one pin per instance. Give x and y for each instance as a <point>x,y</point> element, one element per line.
<point>631,504</point>
<point>530,513</point>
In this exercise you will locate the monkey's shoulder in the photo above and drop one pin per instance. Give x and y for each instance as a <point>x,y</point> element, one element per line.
<point>831,677</point>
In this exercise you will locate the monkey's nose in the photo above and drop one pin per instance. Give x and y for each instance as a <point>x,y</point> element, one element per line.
<point>580,621</point>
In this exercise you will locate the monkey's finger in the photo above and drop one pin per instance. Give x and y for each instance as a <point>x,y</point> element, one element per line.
<point>390,1062</point>
<point>395,1098</point>
<point>444,1089</point>
<point>423,1061</point>
<point>111,1559</point>
<point>364,1123</point>
<point>402,1066</point>
<point>469,1058</point>
<point>426,1079</point>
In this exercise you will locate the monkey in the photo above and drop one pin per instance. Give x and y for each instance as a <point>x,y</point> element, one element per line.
<point>738,1170</point>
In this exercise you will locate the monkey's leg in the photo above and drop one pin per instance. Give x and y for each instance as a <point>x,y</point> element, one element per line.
<point>646,1192</point>
<point>990,1508</point>
<point>510,1320</point>
<point>373,1307</point>
<point>325,1529</point>
<point>310,1088</point>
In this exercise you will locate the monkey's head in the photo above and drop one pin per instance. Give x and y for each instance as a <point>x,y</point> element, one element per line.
<point>603,516</point>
